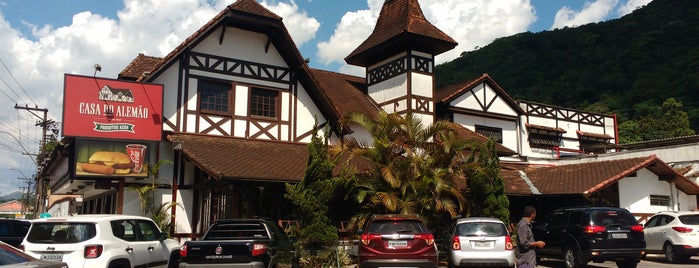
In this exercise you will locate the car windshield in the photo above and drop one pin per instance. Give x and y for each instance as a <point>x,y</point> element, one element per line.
<point>60,232</point>
<point>481,229</point>
<point>392,227</point>
<point>604,217</point>
<point>692,219</point>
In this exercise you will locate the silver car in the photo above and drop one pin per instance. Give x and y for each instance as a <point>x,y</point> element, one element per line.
<point>480,242</point>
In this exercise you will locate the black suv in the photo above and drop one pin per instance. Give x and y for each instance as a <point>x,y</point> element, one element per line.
<point>579,235</point>
<point>12,231</point>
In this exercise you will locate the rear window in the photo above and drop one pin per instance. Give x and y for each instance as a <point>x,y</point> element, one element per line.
<point>60,232</point>
<point>605,217</point>
<point>692,219</point>
<point>392,227</point>
<point>237,230</point>
<point>481,229</point>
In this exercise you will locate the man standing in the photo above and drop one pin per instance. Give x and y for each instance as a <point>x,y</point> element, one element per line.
<point>526,245</point>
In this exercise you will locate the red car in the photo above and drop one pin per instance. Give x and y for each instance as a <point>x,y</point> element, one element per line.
<point>397,241</point>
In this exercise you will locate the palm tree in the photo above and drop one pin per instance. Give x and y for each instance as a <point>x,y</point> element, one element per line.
<point>412,169</point>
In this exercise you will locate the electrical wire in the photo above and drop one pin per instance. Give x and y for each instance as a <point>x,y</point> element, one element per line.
<point>18,84</point>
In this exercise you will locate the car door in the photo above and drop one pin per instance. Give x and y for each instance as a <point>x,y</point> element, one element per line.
<point>551,232</point>
<point>157,252</point>
<point>652,232</point>
<point>128,231</point>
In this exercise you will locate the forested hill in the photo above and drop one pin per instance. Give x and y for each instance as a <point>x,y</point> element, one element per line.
<point>628,66</point>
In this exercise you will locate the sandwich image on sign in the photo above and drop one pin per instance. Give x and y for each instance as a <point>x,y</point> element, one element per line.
<point>108,163</point>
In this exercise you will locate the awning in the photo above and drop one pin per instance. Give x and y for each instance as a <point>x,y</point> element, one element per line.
<point>241,159</point>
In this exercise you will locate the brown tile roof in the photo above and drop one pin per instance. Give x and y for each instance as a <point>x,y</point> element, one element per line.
<point>472,135</point>
<point>514,183</point>
<point>346,93</point>
<point>12,206</point>
<point>448,93</point>
<point>593,135</point>
<point>553,129</point>
<point>252,7</point>
<point>138,66</point>
<point>588,178</point>
<point>240,159</point>
<point>400,26</point>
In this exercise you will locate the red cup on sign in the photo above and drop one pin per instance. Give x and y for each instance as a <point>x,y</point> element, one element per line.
<point>137,153</point>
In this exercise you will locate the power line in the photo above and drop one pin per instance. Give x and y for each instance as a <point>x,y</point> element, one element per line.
<point>17,82</point>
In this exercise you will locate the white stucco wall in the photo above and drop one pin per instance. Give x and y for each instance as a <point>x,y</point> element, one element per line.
<point>634,194</point>
<point>241,44</point>
<point>509,128</point>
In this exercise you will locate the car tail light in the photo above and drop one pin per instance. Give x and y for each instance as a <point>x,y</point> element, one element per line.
<point>258,249</point>
<point>682,229</point>
<point>93,251</point>
<point>508,243</point>
<point>456,243</point>
<point>366,238</point>
<point>639,228</point>
<point>591,229</point>
<point>429,238</point>
<point>183,251</point>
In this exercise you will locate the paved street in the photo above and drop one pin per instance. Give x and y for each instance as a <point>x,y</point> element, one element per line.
<point>651,261</point>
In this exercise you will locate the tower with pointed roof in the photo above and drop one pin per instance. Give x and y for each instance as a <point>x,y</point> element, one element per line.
<point>398,58</point>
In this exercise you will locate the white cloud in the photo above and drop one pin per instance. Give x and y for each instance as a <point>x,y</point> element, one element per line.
<point>301,27</point>
<point>590,12</point>
<point>471,23</point>
<point>631,5</point>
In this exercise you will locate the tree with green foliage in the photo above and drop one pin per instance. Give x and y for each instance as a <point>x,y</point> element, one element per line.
<point>656,122</point>
<point>487,188</point>
<point>146,194</point>
<point>312,194</point>
<point>412,169</point>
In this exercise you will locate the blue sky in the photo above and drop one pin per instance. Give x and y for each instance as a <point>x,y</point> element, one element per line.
<point>44,39</point>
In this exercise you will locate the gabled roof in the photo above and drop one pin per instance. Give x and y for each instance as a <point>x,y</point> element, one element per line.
<point>589,178</point>
<point>248,15</point>
<point>400,26</point>
<point>12,206</point>
<point>448,93</point>
<point>245,159</point>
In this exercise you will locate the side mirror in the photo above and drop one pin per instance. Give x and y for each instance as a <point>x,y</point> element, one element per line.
<point>163,236</point>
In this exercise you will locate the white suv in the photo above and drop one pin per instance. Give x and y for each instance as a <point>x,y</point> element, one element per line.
<point>675,234</point>
<point>101,241</point>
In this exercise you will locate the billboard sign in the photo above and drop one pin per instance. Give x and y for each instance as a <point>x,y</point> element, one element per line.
<point>102,158</point>
<point>112,109</point>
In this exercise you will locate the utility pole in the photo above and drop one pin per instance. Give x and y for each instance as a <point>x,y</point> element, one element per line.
<point>26,193</point>
<point>45,124</point>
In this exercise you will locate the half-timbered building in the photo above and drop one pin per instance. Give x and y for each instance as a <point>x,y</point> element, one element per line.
<point>241,103</point>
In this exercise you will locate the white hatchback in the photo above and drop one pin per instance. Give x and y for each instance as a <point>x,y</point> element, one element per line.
<point>101,241</point>
<point>675,234</point>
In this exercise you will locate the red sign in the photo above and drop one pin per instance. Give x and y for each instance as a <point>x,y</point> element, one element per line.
<point>112,109</point>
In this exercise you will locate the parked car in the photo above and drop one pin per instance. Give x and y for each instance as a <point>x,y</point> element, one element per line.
<point>675,234</point>
<point>101,241</point>
<point>480,241</point>
<point>13,257</point>
<point>240,243</point>
<point>12,231</point>
<point>398,241</point>
<point>579,235</point>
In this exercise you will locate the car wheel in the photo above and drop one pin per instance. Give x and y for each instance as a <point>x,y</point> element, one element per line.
<point>571,258</point>
<point>174,260</point>
<point>632,263</point>
<point>119,264</point>
<point>670,253</point>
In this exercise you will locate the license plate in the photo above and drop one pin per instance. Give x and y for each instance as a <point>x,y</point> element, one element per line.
<point>52,257</point>
<point>619,236</point>
<point>397,243</point>
<point>480,244</point>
